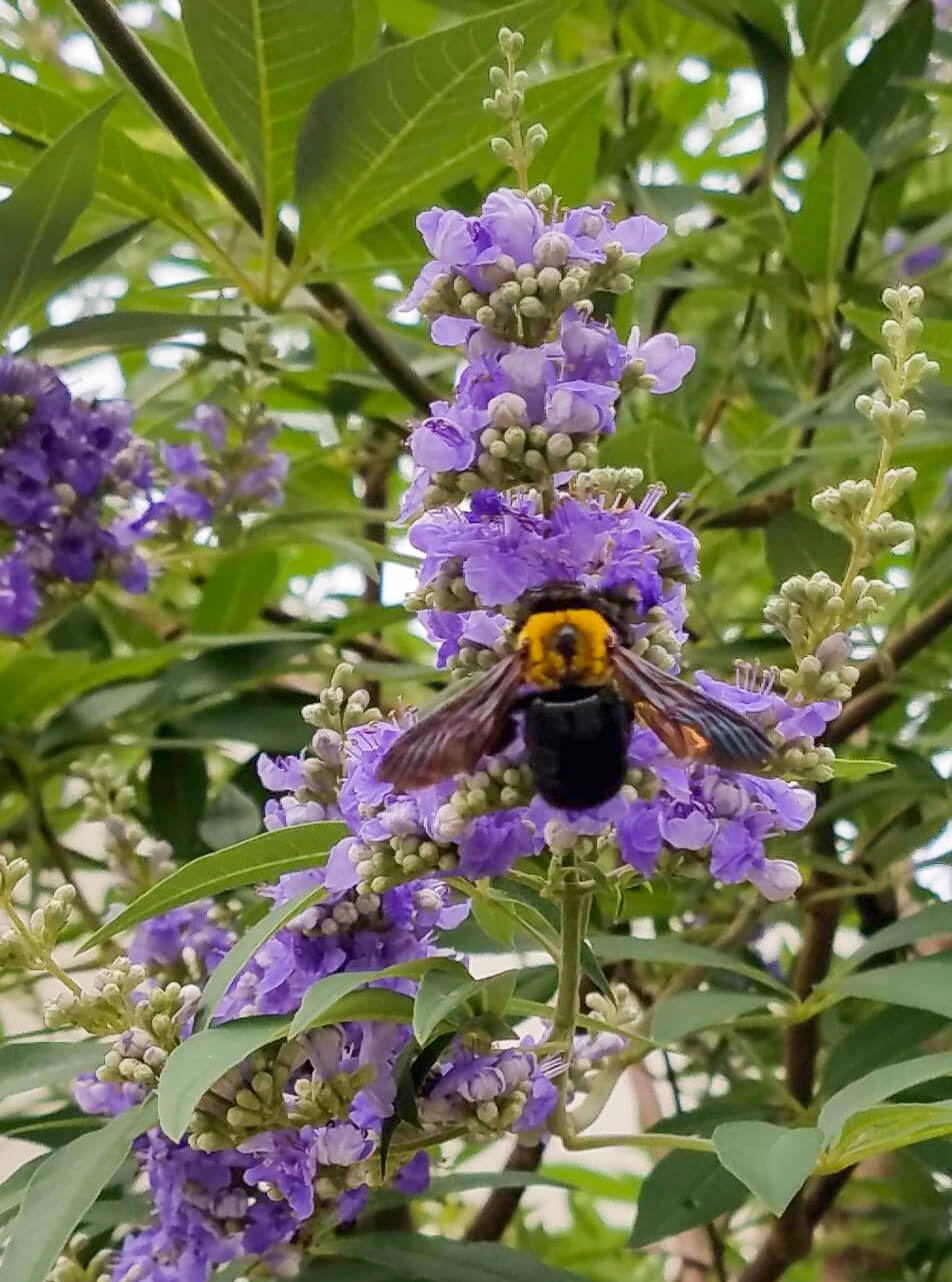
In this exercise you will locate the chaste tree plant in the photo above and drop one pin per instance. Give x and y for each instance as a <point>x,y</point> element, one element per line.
<point>475,650</point>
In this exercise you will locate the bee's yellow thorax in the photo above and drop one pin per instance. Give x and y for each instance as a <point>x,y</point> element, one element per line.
<point>542,642</point>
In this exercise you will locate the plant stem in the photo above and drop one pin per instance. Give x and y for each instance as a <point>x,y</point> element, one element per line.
<point>649,1140</point>
<point>575,903</point>
<point>155,88</point>
<point>33,948</point>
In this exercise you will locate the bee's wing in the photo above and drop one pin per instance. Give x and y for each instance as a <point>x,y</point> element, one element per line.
<point>686,720</point>
<point>453,737</point>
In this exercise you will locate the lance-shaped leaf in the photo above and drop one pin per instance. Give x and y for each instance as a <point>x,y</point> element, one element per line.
<point>262,62</point>
<point>36,219</point>
<point>402,125</point>
<point>261,858</point>
<point>63,1189</point>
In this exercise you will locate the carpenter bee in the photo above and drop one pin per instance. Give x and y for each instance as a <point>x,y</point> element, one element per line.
<point>586,690</point>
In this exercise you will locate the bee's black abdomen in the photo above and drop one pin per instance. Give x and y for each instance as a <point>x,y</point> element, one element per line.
<point>577,742</point>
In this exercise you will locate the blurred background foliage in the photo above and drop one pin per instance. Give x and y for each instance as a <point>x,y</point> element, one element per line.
<point>800,153</point>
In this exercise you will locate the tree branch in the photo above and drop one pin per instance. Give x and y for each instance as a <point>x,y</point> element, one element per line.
<point>496,1212</point>
<point>160,93</point>
<point>876,693</point>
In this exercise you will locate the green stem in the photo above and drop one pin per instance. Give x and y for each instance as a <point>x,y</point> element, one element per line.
<point>649,1140</point>
<point>575,904</point>
<point>34,949</point>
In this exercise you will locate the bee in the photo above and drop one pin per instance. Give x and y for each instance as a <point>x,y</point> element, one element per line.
<point>586,690</point>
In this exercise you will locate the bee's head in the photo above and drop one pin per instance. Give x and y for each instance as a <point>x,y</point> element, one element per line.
<point>566,647</point>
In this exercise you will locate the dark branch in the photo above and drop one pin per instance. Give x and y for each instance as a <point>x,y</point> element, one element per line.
<point>501,1205</point>
<point>876,693</point>
<point>160,93</point>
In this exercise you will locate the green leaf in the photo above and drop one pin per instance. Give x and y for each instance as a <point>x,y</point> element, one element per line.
<point>820,22</point>
<point>885,1129</point>
<point>324,993</point>
<point>871,98</point>
<point>887,1038</point>
<point>440,993</point>
<point>684,1189</point>
<point>796,544</point>
<point>241,953</point>
<point>669,950</point>
<point>931,921</point>
<point>202,1059</point>
<point>82,263</point>
<point>402,125</point>
<point>14,1186</point>
<point>36,219</point>
<point>772,1161</point>
<point>262,858</point>
<point>33,685</point>
<point>434,1259</point>
<point>262,61</point>
<point>177,786</point>
<point>24,1066</point>
<point>858,768</point>
<point>877,1086</point>
<point>690,1012</point>
<point>231,817</point>
<point>924,984</point>
<point>235,592</point>
<point>63,1189</point>
<point>833,199</point>
<point>118,331</point>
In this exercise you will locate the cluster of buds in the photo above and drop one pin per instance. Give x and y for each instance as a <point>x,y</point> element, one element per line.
<point>507,101</point>
<point>902,371</point>
<point>499,785</point>
<point>862,513</point>
<point>523,303</point>
<point>247,1101</point>
<point>140,1053</point>
<point>106,1008</point>
<point>808,609</point>
<point>110,800</point>
<point>816,614</point>
<point>69,1266</point>
<point>447,590</point>
<point>511,452</point>
<point>314,779</point>
<point>609,483</point>
<point>382,865</point>
<point>488,1094</point>
<point>27,945</point>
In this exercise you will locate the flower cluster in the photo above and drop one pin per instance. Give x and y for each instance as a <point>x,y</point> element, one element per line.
<point>214,479</point>
<point>71,474</point>
<point>542,377</point>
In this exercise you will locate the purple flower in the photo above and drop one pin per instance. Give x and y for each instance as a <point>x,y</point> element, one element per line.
<point>218,478</point>
<point>492,843</point>
<point>63,466</point>
<point>665,359</point>
<point>19,599</point>
<point>161,941</point>
<point>414,1178</point>
<point>107,1098</point>
<point>639,836</point>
